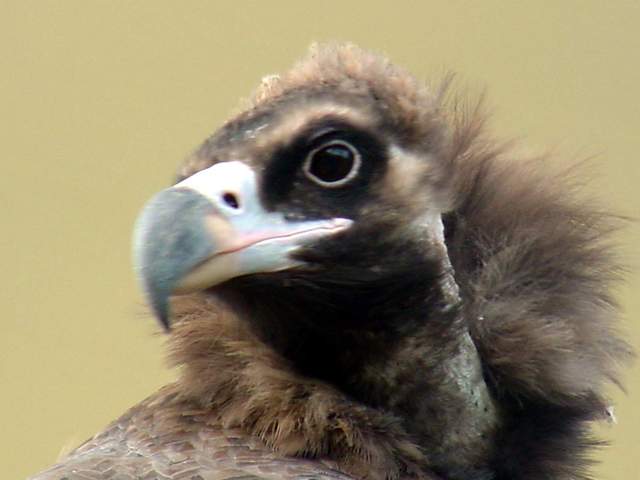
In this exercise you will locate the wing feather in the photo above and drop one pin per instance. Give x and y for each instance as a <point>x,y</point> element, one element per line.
<point>155,441</point>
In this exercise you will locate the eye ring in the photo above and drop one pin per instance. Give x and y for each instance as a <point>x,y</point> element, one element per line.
<point>348,154</point>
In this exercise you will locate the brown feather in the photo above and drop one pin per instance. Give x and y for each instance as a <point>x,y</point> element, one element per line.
<point>534,261</point>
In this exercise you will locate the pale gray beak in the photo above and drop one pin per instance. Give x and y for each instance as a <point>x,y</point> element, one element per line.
<point>210,228</point>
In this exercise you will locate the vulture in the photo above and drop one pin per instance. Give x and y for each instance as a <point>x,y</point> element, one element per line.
<point>357,282</point>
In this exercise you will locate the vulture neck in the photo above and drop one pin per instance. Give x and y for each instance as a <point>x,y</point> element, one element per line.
<point>410,355</point>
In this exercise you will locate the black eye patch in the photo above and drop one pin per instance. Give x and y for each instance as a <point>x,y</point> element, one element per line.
<point>286,178</point>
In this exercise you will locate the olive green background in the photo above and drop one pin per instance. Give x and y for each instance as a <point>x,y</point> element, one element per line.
<point>100,100</point>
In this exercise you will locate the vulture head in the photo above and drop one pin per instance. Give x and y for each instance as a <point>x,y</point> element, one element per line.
<point>351,270</point>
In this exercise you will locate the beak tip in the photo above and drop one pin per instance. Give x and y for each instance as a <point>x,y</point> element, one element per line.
<point>169,239</point>
<point>164,322</point>
<point>158,301</point>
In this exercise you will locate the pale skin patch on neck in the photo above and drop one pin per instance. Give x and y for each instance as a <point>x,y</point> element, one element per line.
<point>408,179</point>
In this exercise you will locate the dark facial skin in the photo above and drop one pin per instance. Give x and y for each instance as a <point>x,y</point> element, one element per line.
<point>349,284</point>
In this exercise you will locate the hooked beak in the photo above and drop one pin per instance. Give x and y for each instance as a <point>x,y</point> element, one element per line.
<point>210,228</point>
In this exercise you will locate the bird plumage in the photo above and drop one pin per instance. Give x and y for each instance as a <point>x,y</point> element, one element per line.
<point>463,327</point>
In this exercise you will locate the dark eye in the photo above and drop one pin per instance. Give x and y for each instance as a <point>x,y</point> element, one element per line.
<point>333,164</point>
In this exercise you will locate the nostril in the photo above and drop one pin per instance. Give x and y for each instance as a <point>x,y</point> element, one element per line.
<point>231,200</point>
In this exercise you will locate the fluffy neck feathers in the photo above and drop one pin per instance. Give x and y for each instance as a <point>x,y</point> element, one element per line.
<point>405,361</point>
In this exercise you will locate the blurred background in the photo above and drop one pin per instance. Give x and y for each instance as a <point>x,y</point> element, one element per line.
<point>100,101</point>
